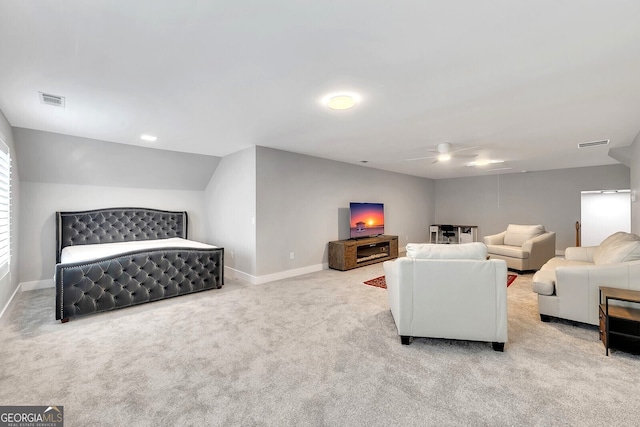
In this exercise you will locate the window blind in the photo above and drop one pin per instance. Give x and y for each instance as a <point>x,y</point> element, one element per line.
<point>5,207</point>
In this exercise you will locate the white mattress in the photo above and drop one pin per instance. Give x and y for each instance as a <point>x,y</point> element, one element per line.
<point>81,253</point>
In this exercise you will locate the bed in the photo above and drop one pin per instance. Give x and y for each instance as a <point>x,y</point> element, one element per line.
<point>119,257</point>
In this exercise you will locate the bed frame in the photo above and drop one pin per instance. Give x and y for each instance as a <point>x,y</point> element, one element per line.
<point>135,277</point>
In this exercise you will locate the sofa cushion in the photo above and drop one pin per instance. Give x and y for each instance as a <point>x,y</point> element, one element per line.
<point>619,236</point>
<point>508,251</point>
<point>556,262</point>
<point>600,252</point>
<point>617,251</point>
<point>475,250</point>
<point>516,234</point>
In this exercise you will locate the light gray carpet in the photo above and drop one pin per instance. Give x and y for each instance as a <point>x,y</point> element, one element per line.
<point>319,349</point>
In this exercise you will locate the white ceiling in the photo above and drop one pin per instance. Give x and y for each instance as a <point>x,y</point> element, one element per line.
<point>524,81</point>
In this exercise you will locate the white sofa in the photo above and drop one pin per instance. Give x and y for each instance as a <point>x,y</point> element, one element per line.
<point>568,287</point>
<point>448,291</point>
<point>523,247</point>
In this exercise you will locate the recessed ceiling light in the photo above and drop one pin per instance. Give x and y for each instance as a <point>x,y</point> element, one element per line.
<point>149,138</point>
<point>341,101</point>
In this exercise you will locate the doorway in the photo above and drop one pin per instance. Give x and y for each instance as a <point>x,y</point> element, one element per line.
<point>603,213</point>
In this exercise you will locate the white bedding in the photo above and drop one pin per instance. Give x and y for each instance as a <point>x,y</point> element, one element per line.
<point>81,253</point>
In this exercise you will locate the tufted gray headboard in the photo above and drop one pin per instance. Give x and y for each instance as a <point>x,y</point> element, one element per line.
<point>117,225</point>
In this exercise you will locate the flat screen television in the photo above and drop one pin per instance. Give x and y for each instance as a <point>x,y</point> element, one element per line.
<point>366,219</point>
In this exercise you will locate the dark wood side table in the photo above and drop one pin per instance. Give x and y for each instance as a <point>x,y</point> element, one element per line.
<point>619,325</point>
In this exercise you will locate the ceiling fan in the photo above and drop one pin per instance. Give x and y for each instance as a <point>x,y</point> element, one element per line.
<point>445,153</point>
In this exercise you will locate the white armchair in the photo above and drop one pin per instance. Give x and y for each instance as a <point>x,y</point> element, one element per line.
<point>448,291</point>
<point>523,247</point>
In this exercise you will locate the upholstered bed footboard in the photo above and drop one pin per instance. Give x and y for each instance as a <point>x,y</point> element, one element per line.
<point>135,278</point>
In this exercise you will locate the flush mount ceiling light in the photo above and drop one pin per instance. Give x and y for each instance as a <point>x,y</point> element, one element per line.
<point>444,157</point>
<point>484,162</point>
<point>341,101</point>
<point>149,138</point>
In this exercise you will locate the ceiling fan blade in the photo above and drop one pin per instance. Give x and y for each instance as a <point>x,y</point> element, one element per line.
<point>435,161</point>
<point>452,153</point>
<point>464,149</point>
<point>464,156</point>
<point>419,158</point>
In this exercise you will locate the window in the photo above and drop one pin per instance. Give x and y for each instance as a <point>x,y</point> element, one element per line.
<point>5,208</point>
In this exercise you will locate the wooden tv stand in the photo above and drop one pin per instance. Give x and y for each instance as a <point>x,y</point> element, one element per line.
<point>353,253</point>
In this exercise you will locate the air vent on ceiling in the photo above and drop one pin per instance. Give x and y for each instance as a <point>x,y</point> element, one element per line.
<point>593,143</point>
<point>55,100</point>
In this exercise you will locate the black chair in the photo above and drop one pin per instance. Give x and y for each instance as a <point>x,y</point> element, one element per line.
<point>447,231</point>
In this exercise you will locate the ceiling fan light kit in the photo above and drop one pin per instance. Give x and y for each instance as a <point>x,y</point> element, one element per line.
<point>445,153</point>
<point>444,148</point>
<point>485,162</point>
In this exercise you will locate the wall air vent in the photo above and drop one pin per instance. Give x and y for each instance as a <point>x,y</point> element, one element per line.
<point>593,143</point>
<point>55,100</point>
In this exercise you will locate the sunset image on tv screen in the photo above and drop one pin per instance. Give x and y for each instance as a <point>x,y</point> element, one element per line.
<point>367,219</point>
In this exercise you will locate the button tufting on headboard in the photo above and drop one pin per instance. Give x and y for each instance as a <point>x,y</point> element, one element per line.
<point>117,225</point>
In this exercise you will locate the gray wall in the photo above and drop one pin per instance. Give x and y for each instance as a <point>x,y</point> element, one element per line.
<point>230,203</point>
<point>66,173</point>
<point>9,283</point>
<point>63,159</point>
<point>40,201</point>
<point>551,198</point>
<point>635,185</point>
<point>261,204</point>
<point>303,203</point>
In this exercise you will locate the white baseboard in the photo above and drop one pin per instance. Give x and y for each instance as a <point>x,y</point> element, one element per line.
<point>10,300</point>
<point>28,286</point>
<point>259,280</point>
<point>232,273</point>
<point>37,284</point>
